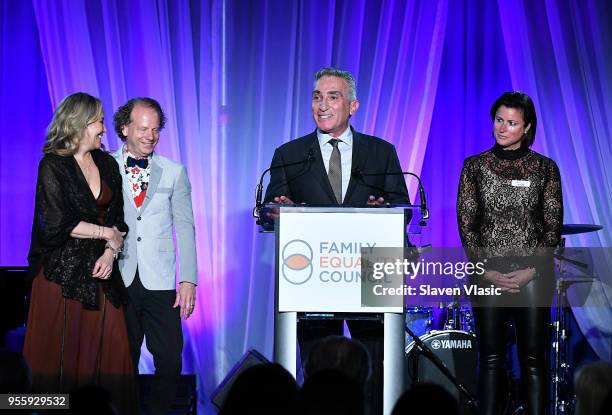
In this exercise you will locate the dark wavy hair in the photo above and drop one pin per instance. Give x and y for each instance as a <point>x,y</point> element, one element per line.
<point>522,102</point>
<point>123,116</point>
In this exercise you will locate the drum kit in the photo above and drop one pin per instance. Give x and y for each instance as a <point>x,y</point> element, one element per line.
<point>446,353</point>
<point>441,345</point>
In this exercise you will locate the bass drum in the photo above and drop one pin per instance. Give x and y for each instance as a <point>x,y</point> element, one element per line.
<point>459,352</point>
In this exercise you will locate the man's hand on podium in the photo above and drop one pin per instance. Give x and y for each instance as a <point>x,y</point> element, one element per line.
<point>372,201</point>
<point>281,200</point>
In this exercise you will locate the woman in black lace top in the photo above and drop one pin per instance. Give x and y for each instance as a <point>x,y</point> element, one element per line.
<point>510,213</point>
<point>76,334</point>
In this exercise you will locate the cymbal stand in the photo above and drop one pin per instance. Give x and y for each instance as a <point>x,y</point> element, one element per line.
<point>560,373</point>
<point>562,402</point>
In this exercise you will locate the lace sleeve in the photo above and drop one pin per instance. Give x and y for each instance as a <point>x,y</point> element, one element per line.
<point>468,211</point>
<point>53,218</point>
<point>552,220</point>
<point>552,207</point>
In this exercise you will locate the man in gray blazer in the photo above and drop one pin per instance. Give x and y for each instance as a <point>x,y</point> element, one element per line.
<point>157,199</point>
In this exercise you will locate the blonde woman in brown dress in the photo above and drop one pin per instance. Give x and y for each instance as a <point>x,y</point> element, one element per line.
<point>76,335</point>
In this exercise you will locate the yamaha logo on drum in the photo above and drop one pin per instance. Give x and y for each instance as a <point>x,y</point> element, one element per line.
<point>451,344</point>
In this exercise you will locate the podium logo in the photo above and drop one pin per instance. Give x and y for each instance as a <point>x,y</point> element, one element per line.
<point>297,261</point>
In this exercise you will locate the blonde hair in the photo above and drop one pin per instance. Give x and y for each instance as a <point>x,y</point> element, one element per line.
<point>70,119</point>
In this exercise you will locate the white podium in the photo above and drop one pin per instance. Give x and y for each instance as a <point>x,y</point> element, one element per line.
<point>318,270</point>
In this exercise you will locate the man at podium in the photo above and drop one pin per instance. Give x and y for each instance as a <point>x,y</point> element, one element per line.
<point>328,167</point>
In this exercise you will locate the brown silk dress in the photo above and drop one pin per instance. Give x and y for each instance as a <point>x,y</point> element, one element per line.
<point>68,346</point>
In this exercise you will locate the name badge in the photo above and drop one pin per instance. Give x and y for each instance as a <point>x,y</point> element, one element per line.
<point>521,183</point>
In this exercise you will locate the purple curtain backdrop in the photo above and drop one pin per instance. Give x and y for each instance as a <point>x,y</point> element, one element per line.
<point>235,79</point>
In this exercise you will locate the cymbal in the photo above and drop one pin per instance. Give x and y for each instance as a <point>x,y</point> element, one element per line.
<point>576,228</point>
<point>565,282</point>
<point>571,261</point>
<point>575,280</point>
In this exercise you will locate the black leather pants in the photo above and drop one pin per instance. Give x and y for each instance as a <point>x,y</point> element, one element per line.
<point>532,335</point>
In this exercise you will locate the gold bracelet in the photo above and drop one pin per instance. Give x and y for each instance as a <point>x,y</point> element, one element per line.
<point>115,252</point>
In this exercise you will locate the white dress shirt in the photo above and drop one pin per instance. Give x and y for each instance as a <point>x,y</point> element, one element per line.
<point>346,154</point>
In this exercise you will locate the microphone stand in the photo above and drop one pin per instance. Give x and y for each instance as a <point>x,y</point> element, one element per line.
<point>426,351</point>
<point>259,188</point>
<point>422,198</point>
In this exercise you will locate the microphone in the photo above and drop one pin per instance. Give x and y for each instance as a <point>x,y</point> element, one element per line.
<point>358,174</point>
<point>259,191</point>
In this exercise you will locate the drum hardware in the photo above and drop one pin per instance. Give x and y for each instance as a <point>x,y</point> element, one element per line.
<point>560,373</point>
<point>445,316</point>
<point>453,319</point>
<point>419,319</point>
<point>424,350</point>
<point>562,399</point>
<point>459,317</point>
<point>468,320</point>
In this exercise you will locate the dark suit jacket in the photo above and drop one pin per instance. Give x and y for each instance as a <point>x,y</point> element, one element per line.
<point>307,182</point>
